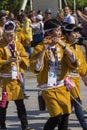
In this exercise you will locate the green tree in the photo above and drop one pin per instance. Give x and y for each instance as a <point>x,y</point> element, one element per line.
<point>3,4</point>
<point>11,5</point>
<point>80,4</point>
<point>14,5</point>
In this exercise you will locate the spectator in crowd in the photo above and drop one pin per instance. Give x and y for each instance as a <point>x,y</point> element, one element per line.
<point>3,16</point>
<point>38,26</point>
<point>84,25</point>
<point>60,16</point>
<point>38,30</point>
<point>40,12</point>
<point>13,55</point>
<point>11,16</point>
<point>74,14</point>
<point>51,61</point>
<point>20,18</point>
<point>72,36</point>
<point>84,32</point>
<point>48,15</point>
<point>32,15</point>
<point>68,18</point>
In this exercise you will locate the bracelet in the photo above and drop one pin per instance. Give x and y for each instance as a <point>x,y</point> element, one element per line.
<point>64,47</point>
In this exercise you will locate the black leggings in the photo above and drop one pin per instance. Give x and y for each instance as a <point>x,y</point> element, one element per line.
<point>61,121</point>
<point>52,122</point>
<point>64,122</point>
<point>21,111</point>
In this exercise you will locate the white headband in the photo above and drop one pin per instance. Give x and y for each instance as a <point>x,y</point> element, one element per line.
<point>70,30</point>
<point>52,29</point>
<point>7,23</point>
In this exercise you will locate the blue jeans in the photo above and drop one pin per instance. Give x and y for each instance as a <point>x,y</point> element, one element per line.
<point>79,113</point>
<point>28,50</point>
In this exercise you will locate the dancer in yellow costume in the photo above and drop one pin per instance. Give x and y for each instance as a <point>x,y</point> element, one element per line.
<point>27,31</point>
<point>72,36</point>
<point>51,61</point>
<point>13,59</point>
<point>21,37</point>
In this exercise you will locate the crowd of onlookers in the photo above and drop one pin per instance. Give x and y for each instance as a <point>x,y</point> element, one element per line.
<point>32,22</point>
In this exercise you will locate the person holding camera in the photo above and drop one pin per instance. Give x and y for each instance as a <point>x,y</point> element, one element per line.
<point>51,60</point>
<point>83,16</point>
<point>72,34</point>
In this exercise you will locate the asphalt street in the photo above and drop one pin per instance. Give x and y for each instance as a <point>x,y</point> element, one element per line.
<point>36,118</point>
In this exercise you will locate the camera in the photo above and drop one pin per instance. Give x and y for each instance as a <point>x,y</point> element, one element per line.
<point>80,41</point>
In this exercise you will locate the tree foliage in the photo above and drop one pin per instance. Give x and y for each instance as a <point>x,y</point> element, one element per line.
<point>80,4</point>
<point>12,5</point>
<point>15,5</point>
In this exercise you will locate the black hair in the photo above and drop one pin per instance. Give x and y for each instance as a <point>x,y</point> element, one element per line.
<point>9,26</point>
<point>51,24</point>
<point>71,28</point>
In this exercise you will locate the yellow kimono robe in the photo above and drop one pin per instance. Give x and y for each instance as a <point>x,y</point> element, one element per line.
<point>27,30</point>
<point>57,99</point>
<point>12,86</point>
<point>79,71</point>
<point>20,37</point>
<point>1,32</point>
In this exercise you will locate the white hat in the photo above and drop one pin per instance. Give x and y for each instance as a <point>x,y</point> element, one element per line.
<point>39,17</point>
<point>6,26</point>
<point>85,8</point>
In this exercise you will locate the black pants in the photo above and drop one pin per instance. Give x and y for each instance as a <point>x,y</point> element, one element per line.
<point>21,111</point>
<point>52,122</point>
<point>63,125</point>
<point>61,121</point>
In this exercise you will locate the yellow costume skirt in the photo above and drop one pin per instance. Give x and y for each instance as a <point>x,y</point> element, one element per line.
<point>57,100</point>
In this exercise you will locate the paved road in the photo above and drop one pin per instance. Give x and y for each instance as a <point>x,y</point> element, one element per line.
<point>37,118</point>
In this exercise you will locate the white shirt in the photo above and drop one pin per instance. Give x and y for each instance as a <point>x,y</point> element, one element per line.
<point>69,19</point>
<point>37,27</point>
